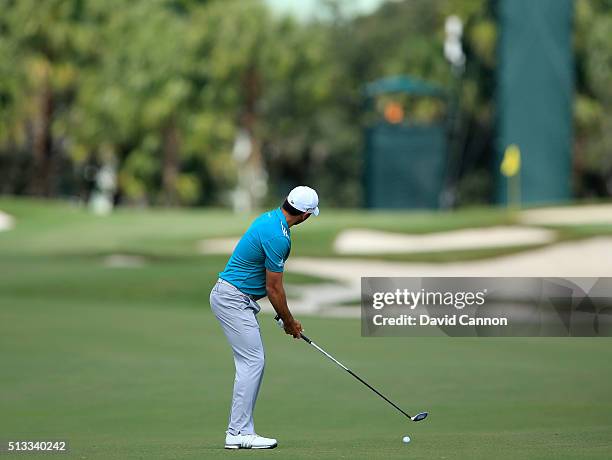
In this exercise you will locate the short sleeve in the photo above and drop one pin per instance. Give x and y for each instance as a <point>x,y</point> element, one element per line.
<point>277,251</point>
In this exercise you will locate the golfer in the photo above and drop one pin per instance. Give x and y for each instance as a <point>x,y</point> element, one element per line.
<point>255,270</point>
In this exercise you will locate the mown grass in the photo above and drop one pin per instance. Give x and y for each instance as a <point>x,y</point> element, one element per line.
<point>58,228</point>
<point>123,379</point>
<point>130,363</point>
<point>48,228</point>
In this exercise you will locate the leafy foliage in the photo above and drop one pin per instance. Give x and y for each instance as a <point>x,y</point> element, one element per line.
<point>160,88</point>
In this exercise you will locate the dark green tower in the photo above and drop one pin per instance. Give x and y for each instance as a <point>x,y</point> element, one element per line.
<point>534,96</point>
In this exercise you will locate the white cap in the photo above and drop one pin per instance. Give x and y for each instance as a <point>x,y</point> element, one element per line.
<point>304,199</point>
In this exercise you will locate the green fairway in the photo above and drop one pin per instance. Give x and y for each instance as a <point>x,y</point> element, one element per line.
<point>130,363</point>
<point>133,380</point>
<point>52,228</point>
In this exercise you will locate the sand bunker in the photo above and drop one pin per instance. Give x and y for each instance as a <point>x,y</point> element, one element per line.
<point>572,259</point>
<point>217,245</point>
<point>358,241</point>
<point>569,215</point>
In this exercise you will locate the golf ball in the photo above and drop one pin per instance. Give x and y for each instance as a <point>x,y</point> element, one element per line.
<point>406,439</point>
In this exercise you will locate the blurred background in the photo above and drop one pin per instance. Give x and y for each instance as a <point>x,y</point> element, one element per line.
<point>139,138</point>
<point>381,104</point>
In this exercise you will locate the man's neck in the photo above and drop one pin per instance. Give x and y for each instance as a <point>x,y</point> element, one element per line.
<point>291,220</point>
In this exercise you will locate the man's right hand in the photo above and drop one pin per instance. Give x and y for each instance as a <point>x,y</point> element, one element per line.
<point>293,328</point>
<point>278,299</point>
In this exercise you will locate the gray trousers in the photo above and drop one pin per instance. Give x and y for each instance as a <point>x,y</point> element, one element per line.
<point>236,313</point>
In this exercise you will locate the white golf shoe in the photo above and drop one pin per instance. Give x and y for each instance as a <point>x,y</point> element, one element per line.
<point>249,441</point>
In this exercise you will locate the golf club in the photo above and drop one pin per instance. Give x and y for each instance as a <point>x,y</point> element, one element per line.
<point>415,418</point>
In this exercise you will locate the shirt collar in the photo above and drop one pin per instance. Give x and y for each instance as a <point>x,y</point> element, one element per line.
<point>282,218</point>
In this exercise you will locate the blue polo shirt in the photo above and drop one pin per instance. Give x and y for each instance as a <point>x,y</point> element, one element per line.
<point>265,245</point>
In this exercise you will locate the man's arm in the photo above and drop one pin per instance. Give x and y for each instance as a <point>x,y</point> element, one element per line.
<point>278,299</point>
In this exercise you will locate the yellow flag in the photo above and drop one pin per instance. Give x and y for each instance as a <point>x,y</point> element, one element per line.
<point>511,164</point>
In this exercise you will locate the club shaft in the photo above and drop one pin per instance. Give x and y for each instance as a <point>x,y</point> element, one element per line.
<point>310,342</point>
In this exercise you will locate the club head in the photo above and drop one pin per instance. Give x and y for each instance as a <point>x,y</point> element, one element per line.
<point>420,416</point>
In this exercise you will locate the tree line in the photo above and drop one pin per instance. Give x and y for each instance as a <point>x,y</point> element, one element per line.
<point>161,89</point>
